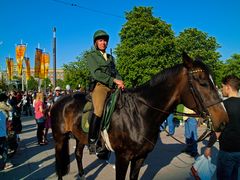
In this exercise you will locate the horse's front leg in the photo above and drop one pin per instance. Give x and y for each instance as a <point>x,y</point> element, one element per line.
<point>136,165</point>
<point>79,155</point>
<point>121,166</point>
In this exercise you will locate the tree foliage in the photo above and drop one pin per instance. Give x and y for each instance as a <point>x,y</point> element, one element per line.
<point>146,46</point>
<point>77,73</point>
<point>3,85</point>
<point>199,44</point>
<point>46,81</point>
<point>232,66</point>
<point>229,67</point>
<point>60,83</point>
<point>219,72</point>
<point>46,84</point>
<point>32,83</point>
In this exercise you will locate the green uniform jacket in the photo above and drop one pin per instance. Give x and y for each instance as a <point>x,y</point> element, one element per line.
<point>101,70</point>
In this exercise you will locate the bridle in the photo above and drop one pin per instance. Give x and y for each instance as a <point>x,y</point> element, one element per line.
<point>201,105</point>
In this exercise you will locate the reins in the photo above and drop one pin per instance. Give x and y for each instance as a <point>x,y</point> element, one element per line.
<point>201,106</point>
<point>167,112</point>
<point>205,134</point>
<point>201,138</point>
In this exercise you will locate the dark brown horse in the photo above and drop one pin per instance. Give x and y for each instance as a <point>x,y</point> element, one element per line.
<point>139,112</point>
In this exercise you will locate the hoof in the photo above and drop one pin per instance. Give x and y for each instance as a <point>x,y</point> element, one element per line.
<point>82,177</point>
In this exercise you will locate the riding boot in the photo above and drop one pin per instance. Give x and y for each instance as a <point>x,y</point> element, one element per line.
<point>93,133</point>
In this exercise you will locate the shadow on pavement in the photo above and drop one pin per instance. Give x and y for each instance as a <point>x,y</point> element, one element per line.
<point>161,156</point>
<point>98,165</point>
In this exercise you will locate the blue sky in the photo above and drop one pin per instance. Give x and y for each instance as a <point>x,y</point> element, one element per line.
<point>32,22</point>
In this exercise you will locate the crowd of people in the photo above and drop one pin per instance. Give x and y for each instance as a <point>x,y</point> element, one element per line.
<point>14,105</point>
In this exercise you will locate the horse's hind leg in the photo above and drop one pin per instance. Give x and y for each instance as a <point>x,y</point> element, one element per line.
<point>121,166</point>
<point>79,155</point>
<point>136,165</point>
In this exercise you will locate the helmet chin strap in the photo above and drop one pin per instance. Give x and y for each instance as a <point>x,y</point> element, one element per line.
<point>100,49</point>
<point>96,46</point>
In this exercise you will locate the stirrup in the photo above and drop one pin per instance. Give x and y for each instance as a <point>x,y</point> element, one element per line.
<point>92,148</point>
<point>103,153</point>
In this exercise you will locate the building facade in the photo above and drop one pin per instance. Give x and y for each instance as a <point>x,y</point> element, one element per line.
<point>59,74</point>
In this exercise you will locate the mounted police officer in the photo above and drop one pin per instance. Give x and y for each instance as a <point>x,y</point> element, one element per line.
<point>106,78</point>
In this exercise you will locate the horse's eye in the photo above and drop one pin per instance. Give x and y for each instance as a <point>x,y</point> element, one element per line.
<point>204,84</point>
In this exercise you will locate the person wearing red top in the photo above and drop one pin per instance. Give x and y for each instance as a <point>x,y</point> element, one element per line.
<point>39,116</point>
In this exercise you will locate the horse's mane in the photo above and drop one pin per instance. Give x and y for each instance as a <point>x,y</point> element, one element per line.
<point>158,78</point>
<point>164,74</point>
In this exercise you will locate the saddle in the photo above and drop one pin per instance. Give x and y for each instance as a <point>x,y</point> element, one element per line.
<point>107,112</point>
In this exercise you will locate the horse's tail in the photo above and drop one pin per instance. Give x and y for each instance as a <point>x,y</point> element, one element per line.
<point>62,155</point>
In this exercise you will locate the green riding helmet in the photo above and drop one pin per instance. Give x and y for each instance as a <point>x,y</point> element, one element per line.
<point>100,34</point>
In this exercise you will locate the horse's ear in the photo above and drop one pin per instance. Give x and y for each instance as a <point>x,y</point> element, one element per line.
<point>187,61</point>
<point>198,58</point>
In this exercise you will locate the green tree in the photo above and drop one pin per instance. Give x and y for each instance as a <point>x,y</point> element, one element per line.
<point>3,85</point>
<point>46,84</point>
<point>60,83</point>
<point>199,44</point>
<point>232,66</point>
<point>32,84</point>
<point>77,73</point>
<point>146,46</point>
<point>220,73</point>
<point>229,67</point>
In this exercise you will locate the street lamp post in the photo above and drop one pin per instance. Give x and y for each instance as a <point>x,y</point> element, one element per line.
<point>22,78</point>
<point>54,57</point>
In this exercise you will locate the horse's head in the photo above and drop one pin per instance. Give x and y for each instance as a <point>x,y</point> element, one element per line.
<point>201,94</point>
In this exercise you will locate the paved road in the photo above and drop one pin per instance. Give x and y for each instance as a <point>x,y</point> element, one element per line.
<point>32,161</point>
